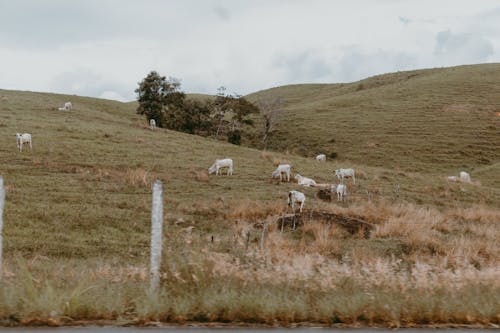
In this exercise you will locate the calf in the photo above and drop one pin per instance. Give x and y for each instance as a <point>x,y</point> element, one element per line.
<point>321,158</point>
<point>23,139</point>
<point>283,169</point>
<point>341,190</point>
<point>152,124</point>
<point>219,164</point>
<point>344,173</point>
<point>304,181</point>
<point>295,197</point>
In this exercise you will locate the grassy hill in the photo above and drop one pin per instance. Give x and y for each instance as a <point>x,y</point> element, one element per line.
<point>434,121</point>
<point>95,164</point>
<point>77,221</point>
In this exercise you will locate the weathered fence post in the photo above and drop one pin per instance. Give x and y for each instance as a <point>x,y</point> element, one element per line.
<point>156,235</point>
<point>263,236</point>
<point>2,203</point>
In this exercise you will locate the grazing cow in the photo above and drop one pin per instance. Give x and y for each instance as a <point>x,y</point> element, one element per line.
<point>344,173</point>
<point>295,197</point>
<point>219,164</point>
<point>67,106</point>
<point>152,124</point>
<point>464,177</point>
<point>341,190</point>
<point>283,169</point>
<point>23,139</point>
<point>321,158</point>
<point>304,181</point>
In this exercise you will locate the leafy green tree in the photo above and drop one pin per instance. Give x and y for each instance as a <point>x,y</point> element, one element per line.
<point>158,97</point>
<point>237,107</point>
<point>192,117</point>
<point>242,110</point>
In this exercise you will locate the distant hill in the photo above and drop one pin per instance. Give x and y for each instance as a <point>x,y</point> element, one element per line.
<point>432,120</point>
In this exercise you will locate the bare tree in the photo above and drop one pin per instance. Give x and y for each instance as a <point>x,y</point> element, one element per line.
<point>271,109</point>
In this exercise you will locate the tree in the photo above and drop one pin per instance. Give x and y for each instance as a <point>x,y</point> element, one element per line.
<point>158,97</point>
<point>230,113</point>
<point>271,109</point>
<point>237,107</point>
<point>219,109</point>
<point>191,117</point>
<point>242,110</point>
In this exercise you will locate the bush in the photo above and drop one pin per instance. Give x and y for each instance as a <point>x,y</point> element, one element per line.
<point>234,137</point>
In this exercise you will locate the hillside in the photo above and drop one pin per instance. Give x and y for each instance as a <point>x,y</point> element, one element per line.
<point>436,121</point>
<point>77,223</point>
<point>98,161</point>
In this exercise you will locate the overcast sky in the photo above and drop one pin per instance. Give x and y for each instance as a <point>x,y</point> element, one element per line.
<point>102,48</point>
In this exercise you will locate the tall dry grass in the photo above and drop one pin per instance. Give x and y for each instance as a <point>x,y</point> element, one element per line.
<point>417,268</point>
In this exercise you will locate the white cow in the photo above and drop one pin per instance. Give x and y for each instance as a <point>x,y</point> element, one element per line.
<point>295,197</point>
<point>304,181</point>
<point>283,169</point>
<point>23,139</point>
<point>219,164</point>
<point>67,106</point>
<point>341,190</point>
<point>344,173</point>
<point>321,158</point>
<point>152,124</point>
<point>464,177</point>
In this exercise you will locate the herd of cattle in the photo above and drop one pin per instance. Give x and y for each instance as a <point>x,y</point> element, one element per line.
<point>283,171</point>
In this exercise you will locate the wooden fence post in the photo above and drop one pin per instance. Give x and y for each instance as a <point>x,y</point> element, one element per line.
<point>156,235</point>
<point>263,237</point>
<point>2,204</point>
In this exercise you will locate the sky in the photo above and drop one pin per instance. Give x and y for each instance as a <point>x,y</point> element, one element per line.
<point>103,48</point>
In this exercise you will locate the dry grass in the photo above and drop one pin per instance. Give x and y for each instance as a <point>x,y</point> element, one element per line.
<point>77,222</point>
<point>200,175</point>
<point>252,211</point>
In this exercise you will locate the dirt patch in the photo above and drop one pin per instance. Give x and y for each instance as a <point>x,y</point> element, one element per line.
<point>351,224</point>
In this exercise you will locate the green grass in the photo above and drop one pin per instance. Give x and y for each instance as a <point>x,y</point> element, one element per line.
<point>437,121</point>
<point>77,212</point>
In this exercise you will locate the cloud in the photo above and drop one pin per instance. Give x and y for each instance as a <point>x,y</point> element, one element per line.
<point>103,48</point>
<point>85,82</point>
<point>357,64</point>
<point>222,13</point>
<point>113,95</point>
<point>306,66</point>
<point>405,20</point>
<point>462,47</point>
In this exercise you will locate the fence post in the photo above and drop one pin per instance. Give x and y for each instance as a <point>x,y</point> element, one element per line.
<point>156,235</point>
<point>2,203</point>
<point>263,237</point>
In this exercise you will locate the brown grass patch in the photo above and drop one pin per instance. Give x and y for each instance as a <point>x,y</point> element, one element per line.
<point>137,177</point>
<point>275,160</point>
<point>200,175</point>
<point>250,210</point>
<point>141,123</point>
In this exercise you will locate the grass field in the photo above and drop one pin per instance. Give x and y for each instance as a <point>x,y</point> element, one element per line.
<point>433,120</point>
<point>77,217</point>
